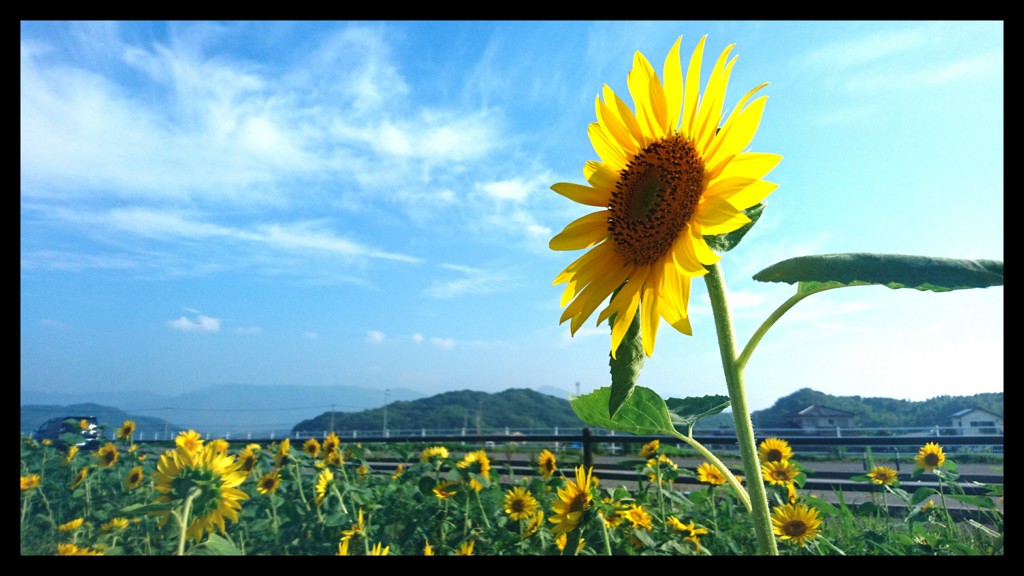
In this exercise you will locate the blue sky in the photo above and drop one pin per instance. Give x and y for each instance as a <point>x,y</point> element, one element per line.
<point>369,204</point>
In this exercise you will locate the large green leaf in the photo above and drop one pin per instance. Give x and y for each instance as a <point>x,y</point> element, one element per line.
<point>625,365</point>
<point>726,242</point>
<point>687,411</point>
<point>643,413</point>
<point>823,271</point>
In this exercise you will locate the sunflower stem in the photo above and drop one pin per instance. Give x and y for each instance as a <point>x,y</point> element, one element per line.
<point>741,412</point>
<point>744,357</point>
<point>710,457</point>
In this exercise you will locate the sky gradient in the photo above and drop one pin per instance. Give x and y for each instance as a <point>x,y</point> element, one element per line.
<point>369,203</point>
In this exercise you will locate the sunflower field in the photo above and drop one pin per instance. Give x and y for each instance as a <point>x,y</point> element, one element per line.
<point>207,497</point>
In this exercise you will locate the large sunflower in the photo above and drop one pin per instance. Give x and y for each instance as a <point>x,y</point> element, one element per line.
<point>781,473</point>
<point>216,475</point>
<point>883,475</point>
<point>477,465</point>
<point>548,464</point>
<point>796,522</point>
<point>930,457</point>
<point>671,172</point>
<point>573,501</point>
<point>709,474</point>
<point>126,431</point>
<point>520,504</point>
<point>774,450</point>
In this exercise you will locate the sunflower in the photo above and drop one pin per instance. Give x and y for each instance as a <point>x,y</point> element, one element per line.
<point>427,550</point>
<point>30,482</point>
<point>671,173</point>
<point>72,452</point>
<point>399,470</point>
<point>216,475</point>
<point>446,489</point>
<point>520,504</point>
<point>796,522</point>
<point>432,453</point>
<point>466,548</point>
<point>247,459</point>
<point>343,548</point>
<point>133,479</point>
<point>331,443</point>
<point>547,464</point>
<point>311,447</point>
<point>73,550</point>
<point>476,464</point>
<point>781,473</point>
<point>126,431</point>
<point>71,525</point>
<point>107,454</point>
<point>79,477</point>
<point>637,516</point>
<point>883,475</point>
<point>534,524</point>
<point>774,450</point>
<point>930,457</point>
<point>269,482</point>
<point>358,529</point>
<point>378,550</point>
<point>363,471</point>
<point>190,441</point>
<point>650,449</point>
<point>114,524</point>
<point>83,424</point>
<point>283,449</point>
<point>709,474</point>
<point>690,531</point>
<point>662,462</point>
<point>323,482</point>
<point>219,445</point>
<point>573,500</point>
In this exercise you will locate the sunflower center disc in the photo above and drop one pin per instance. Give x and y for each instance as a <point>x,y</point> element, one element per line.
<point>656,195</point>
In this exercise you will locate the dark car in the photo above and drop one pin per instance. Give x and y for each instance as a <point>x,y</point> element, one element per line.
<point>79,431</point>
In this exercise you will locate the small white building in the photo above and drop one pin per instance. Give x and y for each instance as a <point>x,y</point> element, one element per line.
<point>816,418</point>
<point>977,422</point>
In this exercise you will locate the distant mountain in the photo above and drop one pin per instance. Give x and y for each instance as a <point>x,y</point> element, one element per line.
<point>109,419</point>
<point>233,410</point>
<point>476,412</point>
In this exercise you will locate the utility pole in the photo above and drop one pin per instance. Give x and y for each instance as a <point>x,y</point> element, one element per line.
<point>332,417</point>
<point>386,412</point>
<point>577,388</point>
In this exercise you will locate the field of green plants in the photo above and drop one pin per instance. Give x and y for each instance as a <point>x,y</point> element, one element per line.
<point>206,497</point>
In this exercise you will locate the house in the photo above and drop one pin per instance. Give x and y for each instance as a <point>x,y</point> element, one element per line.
<point>976,422</point>
<point>817,418</point>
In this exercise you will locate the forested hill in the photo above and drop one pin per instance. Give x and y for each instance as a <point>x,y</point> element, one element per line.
<point>518,408</point>
<point>878,412</point>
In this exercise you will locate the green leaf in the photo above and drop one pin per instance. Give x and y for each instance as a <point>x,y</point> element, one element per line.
<point>146,508</point>
<point>726,242</point>
<point>625,366</point>
<point>820,272</point>
<point>215,546</point>
<point>979,501</point>
<point>922,494</point>
<point>643,413</point>
<point>687,411</point>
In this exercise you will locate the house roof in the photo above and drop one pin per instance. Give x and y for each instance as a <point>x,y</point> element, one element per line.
<point>967,411</point>
<point>815,410</point>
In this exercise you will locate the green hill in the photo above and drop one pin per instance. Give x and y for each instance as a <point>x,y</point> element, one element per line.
<point>477,412</point>
<point>109,419</point>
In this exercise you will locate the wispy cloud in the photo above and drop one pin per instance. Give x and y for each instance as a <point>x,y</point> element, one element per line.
<point>375,337</point>
<point>311,335</point>
<point>473,281</point>
<point>443,343</point>
<point>200,323</point>
<point>417,338</point>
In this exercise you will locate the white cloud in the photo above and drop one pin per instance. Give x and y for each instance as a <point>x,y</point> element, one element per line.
<point>417,338</point>
<point>374,337</point>
<point>311,335</point>
<point>200,323</point>
<point>443,343</point>
<point>474,281</point>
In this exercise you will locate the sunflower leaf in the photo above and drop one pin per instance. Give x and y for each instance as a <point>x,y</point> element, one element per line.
<point>815,273</point>
<point>625,365</point>
<point>726,242</point>
<point>687,411</point>
<point>215,546</point>
<point>643,413</point>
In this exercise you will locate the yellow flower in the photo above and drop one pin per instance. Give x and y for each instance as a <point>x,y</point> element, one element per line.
<point>107,454</point>
<point>434,452</point>
<point>466,549</point>
<point>399,470</point>
<point>363,471</point>
<point>547,464</point>
<point>654,463</point>
<point>323,482</point>
<point>690,531</point>
<point>780,473</point>
<point>72,550</point>
<point>883,475</point>
<point>30,482</point>
<point>378,551</point>
<point>930,457</point>
<point>343,548</point>
<point>80,477</point>
<point>562,539</point>
<point>637,516</point>
<point>445,489</point>
<point>216,475</point>
<point>72,452</point>
<point>533,526</point>
<point>331,443</point>
<point>134,478</point>
<point>47,442</point>
<point>282,450</point>
<point>650,449</point>
<point>83,424</point>
<point>476,462</point>
<point>190,441</point>
<point>247,459</point>
<point>710,474</point>
<point>427,550</point>
<point>254,447</point>
<point>520,504</point>
<point>774,450</point>
<point>796,522</point>
<point>573,500</point>
<point>671,173</point>
<point>114,524</point>
<point>269,482</point>
<point>219,445</point>
<point>71,525</point>
<point>311,447</point>
<point>126,431</point>
<point>358,529</point>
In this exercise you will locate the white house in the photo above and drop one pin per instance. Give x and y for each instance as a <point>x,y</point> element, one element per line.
<point>975,422</point>
<point>817,418</point>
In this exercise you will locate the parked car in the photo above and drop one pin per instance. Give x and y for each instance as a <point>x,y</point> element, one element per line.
<point>80,431</point>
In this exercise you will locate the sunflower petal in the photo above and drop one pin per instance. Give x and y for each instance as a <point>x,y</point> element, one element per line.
<point>691,93</point>
<point>610,121</point>
<point>582,233</point>
<point>716,216</point>
<point>704,252</point>
<point>626,116</point>
<point>606,147</point>
<point>675,290</point>
<point>673,76</point>
<point>639,80</point>
<point>746,164</point>
<point>600,176</point>
<point>737,132</point>
<point>587,195</point>
<point>650,315</point>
